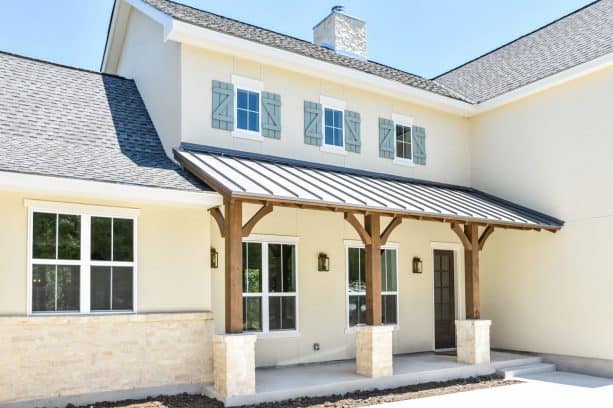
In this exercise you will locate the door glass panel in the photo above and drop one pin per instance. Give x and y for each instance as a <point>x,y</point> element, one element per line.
<point>252,313</point>
<point>389,309</point>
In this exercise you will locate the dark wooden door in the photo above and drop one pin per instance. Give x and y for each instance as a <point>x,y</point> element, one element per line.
<point>444,302</point>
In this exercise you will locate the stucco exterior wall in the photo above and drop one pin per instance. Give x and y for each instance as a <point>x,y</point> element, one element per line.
<point>155,67</point>
<point>62,356</point>
<point>447,141</point>
<point>322,300</point>
<point>172,247</point>
<point>552,152</point>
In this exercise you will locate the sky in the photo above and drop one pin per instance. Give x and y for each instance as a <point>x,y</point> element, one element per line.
<point>424,37</point>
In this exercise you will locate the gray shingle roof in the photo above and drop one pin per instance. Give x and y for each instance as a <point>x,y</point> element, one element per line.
<point>67,122</point>
<point>579,37</point>
<point>285,42</point>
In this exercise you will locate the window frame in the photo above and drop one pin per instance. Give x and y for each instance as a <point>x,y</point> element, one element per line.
<point>265,240</point>
<point>85,212</point>
<point>251,85</point>
<point>359,244</point>
<point>337,105</point>
<point>401,120</point>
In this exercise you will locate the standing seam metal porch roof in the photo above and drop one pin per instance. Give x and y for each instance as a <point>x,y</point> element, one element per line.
<point>254,176</point>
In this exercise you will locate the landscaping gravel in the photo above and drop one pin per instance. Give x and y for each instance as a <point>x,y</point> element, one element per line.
<point>350,399</point>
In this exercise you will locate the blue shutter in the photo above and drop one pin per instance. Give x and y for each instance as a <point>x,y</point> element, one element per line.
<point>386,138</point>
<point>312,123</point>
<point>271,115</point>
<point>352,132</point>
<point>223,105</point>
<point>419,145</point>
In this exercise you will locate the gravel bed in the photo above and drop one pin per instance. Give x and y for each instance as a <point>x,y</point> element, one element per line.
<point>350,399</point>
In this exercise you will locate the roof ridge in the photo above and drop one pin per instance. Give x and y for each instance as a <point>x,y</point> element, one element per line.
<point>57,64</point>
<point>514,40</point>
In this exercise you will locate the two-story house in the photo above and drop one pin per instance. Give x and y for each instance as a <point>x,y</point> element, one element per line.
<point>222,198</point>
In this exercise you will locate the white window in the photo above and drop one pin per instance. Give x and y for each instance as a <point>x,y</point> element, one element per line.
<point>248,108</point>
<point>356,285</point>
<point>403,140</point>
<point>333,125</point>
<point>81,259</point>
<point>270,301</point>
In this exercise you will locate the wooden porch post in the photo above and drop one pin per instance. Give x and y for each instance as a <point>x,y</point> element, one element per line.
<point>234,265</point>
<point>471,273</point>
<point>372,263</point>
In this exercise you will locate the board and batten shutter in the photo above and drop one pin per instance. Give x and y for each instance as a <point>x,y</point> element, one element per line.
<point>271,115</point>
<point>419,145</point>
<point>386,138</point>
<point>352,132</point>
<point>312,123</point>
<point>223,105</point>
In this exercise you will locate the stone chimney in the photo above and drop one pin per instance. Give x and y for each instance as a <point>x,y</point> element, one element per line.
<point>341,33</point>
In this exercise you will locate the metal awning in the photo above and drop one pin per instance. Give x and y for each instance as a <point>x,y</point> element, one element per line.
<point>262,178</point>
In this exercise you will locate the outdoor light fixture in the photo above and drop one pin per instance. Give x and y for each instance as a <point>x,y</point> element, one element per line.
<point>214,258</point>
<point>418,265</point>
<point>323,262</point>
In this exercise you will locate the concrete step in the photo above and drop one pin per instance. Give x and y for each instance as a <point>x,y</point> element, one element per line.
<point>519,370</point>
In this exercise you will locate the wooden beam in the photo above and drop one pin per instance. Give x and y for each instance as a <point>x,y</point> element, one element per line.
<point>485,235</point>
<point>261,213</point>
<point>234,266</point>
<point>471,273</point>
<point>463,237</point>
<point>364,235</point>
<point>396,221</point>
<point>372,269</point>
<point>218,216</point>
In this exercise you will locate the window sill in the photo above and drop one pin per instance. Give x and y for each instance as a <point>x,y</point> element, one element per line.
<point>351,330</point>
<point>248,135</point>
<point>404,162</point>
<point>334,150</point>
<point>276,334</point>
<point>92,313</point>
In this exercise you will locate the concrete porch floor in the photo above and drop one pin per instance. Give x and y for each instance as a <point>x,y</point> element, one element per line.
<point>338,377</point>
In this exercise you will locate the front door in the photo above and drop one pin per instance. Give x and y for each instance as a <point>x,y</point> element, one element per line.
<point>444,300</point>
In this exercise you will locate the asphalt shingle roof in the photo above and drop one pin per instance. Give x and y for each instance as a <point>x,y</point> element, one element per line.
<point>579,37</point>
<point>260,35</point>
<point>62,121</point>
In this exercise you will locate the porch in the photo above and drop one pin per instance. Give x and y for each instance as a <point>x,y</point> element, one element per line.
<point>339,377</point>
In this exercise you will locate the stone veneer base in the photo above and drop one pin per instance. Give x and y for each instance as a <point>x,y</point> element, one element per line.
<point>373,352</point>
<point>234,364</point>
<point>473,341</point>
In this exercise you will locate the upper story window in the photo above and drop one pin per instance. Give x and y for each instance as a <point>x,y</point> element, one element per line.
<point>81,262</point>
<point>333,127</point>
<point>247,110</point>
<point>403,142</point>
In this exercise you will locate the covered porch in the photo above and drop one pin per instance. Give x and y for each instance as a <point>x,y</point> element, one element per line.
<point>376,209</point>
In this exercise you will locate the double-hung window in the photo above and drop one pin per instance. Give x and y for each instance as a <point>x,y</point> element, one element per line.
<point>80,262</point>
<point>404,146</point>
<point>247,110</point>
<point>269,286</point>
<point>333,127</point>
<point>356,286</point>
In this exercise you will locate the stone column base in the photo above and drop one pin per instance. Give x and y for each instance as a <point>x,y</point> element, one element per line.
<point>373,351</point>
<point>473,341</point>
<point>234,364</point>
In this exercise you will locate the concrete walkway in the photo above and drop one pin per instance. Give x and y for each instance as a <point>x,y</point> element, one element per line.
<point>551,390</point>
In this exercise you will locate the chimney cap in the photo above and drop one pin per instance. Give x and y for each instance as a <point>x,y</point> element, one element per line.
<point>339,8</point>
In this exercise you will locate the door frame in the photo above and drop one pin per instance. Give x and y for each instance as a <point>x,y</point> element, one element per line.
<point>458,278</point>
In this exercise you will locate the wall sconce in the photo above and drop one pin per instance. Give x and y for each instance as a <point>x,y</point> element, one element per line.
<point>214,258</point>
<point>418,265</point>
<point>323,262</point>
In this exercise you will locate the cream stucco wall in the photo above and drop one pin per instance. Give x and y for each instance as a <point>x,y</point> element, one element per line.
<point>155,67</point>
<point>172,247</point>
<point>447,140</point>
<point>322,295</point>
<point>544,292</point>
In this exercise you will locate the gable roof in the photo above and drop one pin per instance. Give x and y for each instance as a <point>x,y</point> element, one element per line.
<point>68,122</point>
<point>284,42</point>
<point>579,37</point>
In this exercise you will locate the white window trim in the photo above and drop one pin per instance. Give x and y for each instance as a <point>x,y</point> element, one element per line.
<point>359,244</point>
<point>403,120</point>
<point>253,85</point>
<point>336,104</point>
<point>265,240</point>
<point>85,212</point>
